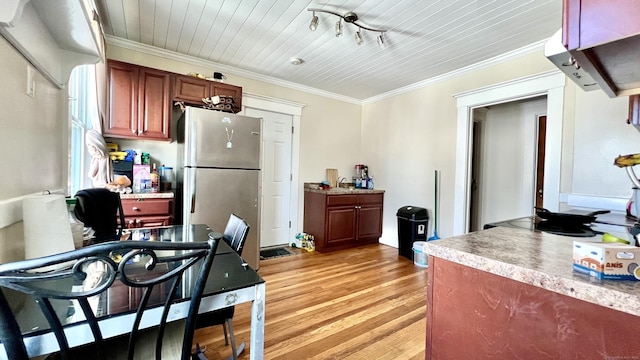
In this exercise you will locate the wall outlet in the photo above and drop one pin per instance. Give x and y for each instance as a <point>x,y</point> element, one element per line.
<point>31,83</point>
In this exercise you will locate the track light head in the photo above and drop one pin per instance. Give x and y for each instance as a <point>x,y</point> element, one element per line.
<point>314,22</point>
<point>359,39</point>
<point>339,28</point>
<point>381,42</point>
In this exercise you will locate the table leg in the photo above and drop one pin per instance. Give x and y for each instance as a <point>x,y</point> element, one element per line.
<point>257,324</point>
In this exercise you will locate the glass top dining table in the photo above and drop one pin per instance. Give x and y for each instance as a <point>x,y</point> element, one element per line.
<point>231,281</point>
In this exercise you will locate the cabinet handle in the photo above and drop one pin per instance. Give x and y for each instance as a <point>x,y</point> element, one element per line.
<point>135,208</point>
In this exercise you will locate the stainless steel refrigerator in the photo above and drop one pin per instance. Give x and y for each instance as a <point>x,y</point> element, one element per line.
<point>219,172</point>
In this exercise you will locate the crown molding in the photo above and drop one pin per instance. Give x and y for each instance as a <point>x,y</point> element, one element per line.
<point>537,46</point>
<point>172,55</point>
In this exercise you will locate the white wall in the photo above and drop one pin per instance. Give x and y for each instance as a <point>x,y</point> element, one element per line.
<point>407,136</point>
<point>33,141</point>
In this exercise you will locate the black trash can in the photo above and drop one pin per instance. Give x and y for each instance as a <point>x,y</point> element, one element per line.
<point>412,226</point>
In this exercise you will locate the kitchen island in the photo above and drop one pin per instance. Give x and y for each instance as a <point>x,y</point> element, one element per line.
<point>509,293</point>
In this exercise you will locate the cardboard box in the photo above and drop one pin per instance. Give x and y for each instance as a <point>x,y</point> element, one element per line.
<point>607,260</point>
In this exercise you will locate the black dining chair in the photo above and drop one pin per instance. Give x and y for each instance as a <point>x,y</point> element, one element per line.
<point>146,274</point>
<point>235,234</point>
<point>101,210</point>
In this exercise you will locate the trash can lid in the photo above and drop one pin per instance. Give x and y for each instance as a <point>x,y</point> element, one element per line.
<point>413,213</point>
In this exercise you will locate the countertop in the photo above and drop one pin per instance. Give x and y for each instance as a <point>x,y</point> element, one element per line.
<point>344,191</point>
<point>536,258</point>
<point>150,195</point>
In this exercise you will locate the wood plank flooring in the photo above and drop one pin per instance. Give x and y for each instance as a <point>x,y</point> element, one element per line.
<point>362,303</point>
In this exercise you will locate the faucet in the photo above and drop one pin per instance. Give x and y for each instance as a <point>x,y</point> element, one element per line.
<point>341,180</point>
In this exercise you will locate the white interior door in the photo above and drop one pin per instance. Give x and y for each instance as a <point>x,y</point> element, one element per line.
<point>276,176</point>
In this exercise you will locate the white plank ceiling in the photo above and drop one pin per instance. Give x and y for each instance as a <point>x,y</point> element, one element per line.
<point>425,38</point>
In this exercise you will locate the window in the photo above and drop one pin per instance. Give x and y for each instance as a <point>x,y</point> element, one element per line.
<point>83,112</point>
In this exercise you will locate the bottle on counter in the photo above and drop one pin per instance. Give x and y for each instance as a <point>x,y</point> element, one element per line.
<point>155,179</point>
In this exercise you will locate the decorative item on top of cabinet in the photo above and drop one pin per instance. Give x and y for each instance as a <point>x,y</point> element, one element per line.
<point>192,90</point>
<point>139,102</point>
<point>147,212</point>
<point>604,38</point>
<point>343,220</point>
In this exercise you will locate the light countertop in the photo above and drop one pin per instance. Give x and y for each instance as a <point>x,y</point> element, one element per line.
<point>344,191</point>
<point>536,258</point>
<point>150,195</point>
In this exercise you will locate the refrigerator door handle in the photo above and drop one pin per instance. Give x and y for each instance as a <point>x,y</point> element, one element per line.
<point>190,144</point>
<point>192,189</point>
<point>255,133</point>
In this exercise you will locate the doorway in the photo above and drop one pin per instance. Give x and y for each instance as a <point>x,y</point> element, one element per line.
<point>283,118</point>
<point>276,176</point>
<point>550,84</point>
<point>505,161</point>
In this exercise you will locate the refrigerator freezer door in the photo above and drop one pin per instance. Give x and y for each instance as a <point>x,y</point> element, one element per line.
<point>211,195</point>
<point>217,139</point>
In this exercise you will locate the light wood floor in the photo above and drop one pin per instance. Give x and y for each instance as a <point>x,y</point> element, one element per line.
<point>363,303</point>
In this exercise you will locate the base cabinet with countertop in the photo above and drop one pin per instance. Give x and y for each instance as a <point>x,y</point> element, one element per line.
<point>148,210</point>
<point>341,219</point>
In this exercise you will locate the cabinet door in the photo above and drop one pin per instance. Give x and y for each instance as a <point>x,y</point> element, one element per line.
<point>154,104</point>
<point>153,221</point>
<point>370,221</point>
<point>144,207</point>
<point>190,89</point>
<point>230,91</point>
<point>121,120</point>
<point>341,225</point>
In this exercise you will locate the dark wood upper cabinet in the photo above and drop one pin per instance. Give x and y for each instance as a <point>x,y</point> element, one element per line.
<point>139,101</point>
<point>604,38</point>
<point>192,90</point>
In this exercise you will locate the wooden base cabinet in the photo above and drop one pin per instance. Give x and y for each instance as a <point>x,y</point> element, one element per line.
<point>339,221</point>
<point>147,212</point>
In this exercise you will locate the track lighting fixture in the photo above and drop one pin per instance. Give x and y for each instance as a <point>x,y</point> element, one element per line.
<point>351,18</point>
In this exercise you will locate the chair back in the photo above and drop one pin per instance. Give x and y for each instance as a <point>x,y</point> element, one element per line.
<point>150,272</point>
<point>235,233</point>
<point>100,209</point>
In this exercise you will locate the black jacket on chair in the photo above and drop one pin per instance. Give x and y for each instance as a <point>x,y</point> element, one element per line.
<point>99,209</point>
